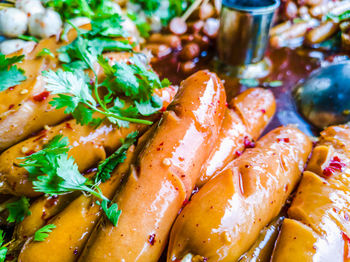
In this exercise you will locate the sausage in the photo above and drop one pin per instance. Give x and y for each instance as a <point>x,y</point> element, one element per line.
<point>93,142</point>
<point>293,32</point>
<point>318,224</point>
<point>244,121</point>
<point>24,113</point>
<point>321,32</point>
<point>164,175</point>
<point>74,224</point>
<point>225,217</point>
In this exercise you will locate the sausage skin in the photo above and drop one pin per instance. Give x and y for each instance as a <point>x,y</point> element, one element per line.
<point>164,175</point>
<point>225,217</point>
<point>244,121</point>
<point>93,142</point>
<point>318,227</point>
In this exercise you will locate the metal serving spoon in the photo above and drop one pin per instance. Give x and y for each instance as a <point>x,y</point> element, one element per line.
<point>324,98</point>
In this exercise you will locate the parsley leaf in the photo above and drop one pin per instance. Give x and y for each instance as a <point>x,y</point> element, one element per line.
<point>141,24</point>
<point>106,167</point>
<point>10,75</point>
<point>338,18</point>
<point>18,210</point>
<point>112,212</point>
<point>29,38</point>
<point>3,248</point>
<point>42,233</point>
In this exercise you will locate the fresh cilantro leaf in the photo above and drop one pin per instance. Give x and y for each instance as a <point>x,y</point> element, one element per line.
<point>45,52</point>
<point>54,173</point>
<point>107,26</point>
<point>29,38</point>
<point>106,167</point>
<point>42,233</point>
<point>18,210</point>
<point>142,26</point>
<point>10,75</point>
<point>42,162</point>
<point>3,248</point>
<point>249,82</point>
<point>112,212</point>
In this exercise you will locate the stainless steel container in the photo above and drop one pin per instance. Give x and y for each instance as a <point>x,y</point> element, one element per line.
<point>244,30</point>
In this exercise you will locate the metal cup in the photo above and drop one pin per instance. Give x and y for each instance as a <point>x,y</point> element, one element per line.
<point>244,30</point>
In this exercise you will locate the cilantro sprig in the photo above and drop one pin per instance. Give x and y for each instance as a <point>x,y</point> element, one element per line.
<point>18,210</point>
<point>54,173</point>
<point>112,212</point>
<point>42,233</point>
<point>106,167</point>
<point>10,74</point>
<point>3,248</point>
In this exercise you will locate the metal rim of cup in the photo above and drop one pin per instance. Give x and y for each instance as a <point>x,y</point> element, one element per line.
<point>255,10</point>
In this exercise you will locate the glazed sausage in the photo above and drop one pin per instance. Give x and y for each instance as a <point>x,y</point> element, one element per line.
<point>74,224</point>
<point>164,175</point>
<point>225,217</point>
<point>93,142</point>
<point>318,227</point>
<point>293,32</point>
<point>248,115</point>
<point>321,32</point>
<point>23,113</point>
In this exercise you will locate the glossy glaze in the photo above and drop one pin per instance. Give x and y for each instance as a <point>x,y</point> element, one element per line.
<point>164,175</point>
<point>245,119</point>
<point>225,217</point>
<point>74,224</point>
<point>319,215</point>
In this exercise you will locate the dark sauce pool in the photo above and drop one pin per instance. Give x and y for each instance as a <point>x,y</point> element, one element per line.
<point>288,65</point>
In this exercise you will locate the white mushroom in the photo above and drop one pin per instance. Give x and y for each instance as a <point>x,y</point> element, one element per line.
<point>13,45</point>
<point>30,7</point>
<point>45,24</point>
<point>13,22</point>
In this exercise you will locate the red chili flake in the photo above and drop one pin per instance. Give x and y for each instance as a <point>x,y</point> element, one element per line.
<point>30,152</point>
<point>163,109</point>
<point>334,165</point>
<point>181,159</point>
<point>68,125</point>
<point>43,215</point>
<point>248,143</point>
<point>152,239</point>
<point>41,97</point>
<point>238,153</point>
<point>346,239</point>
<point>11,88</point>
<point>226,104</point>
<point>286,140</point>
<point>51,201</point>
<point>263,111</point>
<point>11,106</point>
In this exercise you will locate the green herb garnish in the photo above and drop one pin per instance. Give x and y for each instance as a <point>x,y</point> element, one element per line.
<point>18,210</point>
<point>10,74</point>
<point>42,233</point>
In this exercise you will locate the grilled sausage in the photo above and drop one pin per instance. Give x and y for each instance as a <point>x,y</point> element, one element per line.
<point>164,175</point>
<point>93,142</point>
<point>248,115</point>
<point>225,217</point>
<point>318,227</point>
<point>321,32</point>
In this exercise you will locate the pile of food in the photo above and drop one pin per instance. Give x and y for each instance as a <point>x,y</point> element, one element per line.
<point>102,158</point>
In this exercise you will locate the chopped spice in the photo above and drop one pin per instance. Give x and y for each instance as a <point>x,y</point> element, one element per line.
<point>248,143</point>
<point>334,165</point>
<point>152,239</point>
<point>41,97</point>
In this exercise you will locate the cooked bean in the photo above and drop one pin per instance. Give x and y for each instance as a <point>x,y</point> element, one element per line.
<point>178,26</point>
<point>159,50</point>
<point>190,51</point>
<point>312,2</point>
<point>202,40</point>
<point>211,27</point>
<point>206,11</point>
<point>188,67</point>
<point>196,27</point>
<point>173,41</point>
